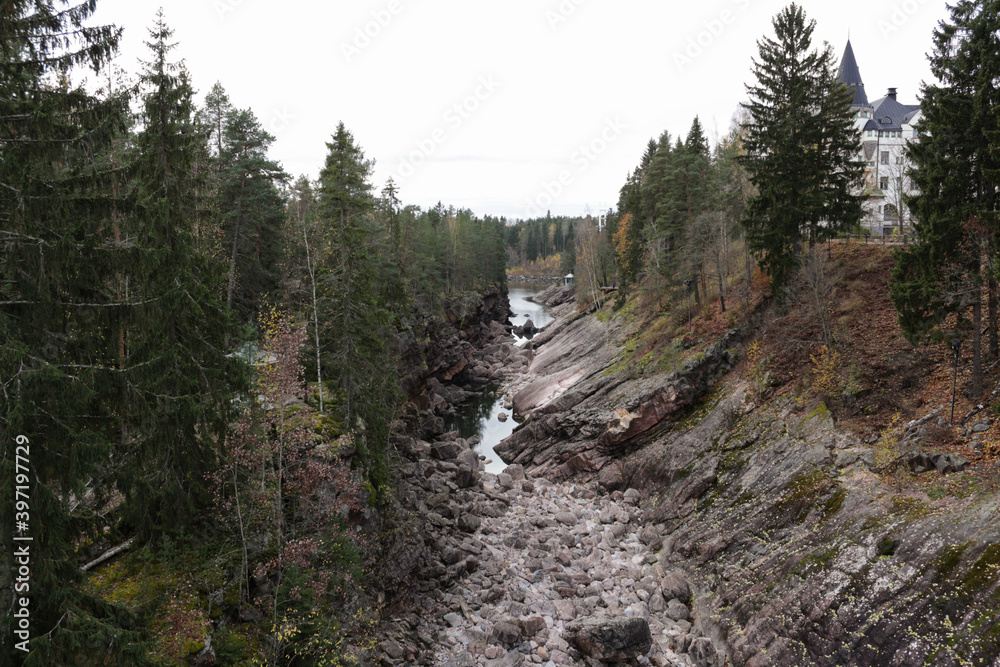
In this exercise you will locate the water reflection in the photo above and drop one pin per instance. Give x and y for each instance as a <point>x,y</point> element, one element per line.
<point>525,310</point>
<point>481,416</point>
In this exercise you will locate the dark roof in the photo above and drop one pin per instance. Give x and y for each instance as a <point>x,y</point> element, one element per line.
<point>851,75</point>
<point>890,114</point>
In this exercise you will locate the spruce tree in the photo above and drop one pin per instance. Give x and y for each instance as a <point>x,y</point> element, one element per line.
<point>180,380</point>
<point>356,321</point>
<point>957,173</point>
<point>62,308</point>
<point>801,148</point>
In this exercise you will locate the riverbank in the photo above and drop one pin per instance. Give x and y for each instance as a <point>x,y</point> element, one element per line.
<point>801,550</point>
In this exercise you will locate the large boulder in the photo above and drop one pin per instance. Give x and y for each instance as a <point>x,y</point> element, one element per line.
<point>610,638</point>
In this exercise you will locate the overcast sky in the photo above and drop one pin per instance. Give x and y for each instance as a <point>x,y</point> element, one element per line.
<point>508,108</point>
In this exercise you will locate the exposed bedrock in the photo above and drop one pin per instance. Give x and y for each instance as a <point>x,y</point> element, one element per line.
<point>797,552</point>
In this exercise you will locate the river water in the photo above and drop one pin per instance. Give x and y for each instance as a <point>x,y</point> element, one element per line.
<point>481,416</point>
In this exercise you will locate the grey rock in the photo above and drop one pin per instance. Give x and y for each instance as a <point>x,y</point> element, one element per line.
<point>702,652</point>
<point>676,586</point>
<point>533,625</point>
<point>677,610</point>
<point>507,632</point>
<point>920,462</point>
<point>393,650</point>
<point>610,638</point>
<point>515,470</point>
<point>567,518</point>
<point>447,450</point>
<point>511,659</point>
<point>469,523</point>
<point>462,659</point>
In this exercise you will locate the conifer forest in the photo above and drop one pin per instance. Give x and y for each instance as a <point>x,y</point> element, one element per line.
<point>217,377</point>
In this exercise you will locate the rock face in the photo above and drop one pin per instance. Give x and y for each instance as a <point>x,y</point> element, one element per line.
<point>579,417</point>
<point>797,550</point>
<point>448,358</point>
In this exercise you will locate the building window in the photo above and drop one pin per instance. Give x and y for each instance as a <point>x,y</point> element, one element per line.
<point>899,159</point>
<point>885,157</point>
<point>890,212</point>
<point>883,183</point>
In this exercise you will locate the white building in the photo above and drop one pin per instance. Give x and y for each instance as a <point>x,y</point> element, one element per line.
<point>886,127</point>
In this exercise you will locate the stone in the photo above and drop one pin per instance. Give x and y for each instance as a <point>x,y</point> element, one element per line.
<point>610,638</point>
<point>650,536</point>
<point>512,659</point>
<point>469,523</point>
<point>533,625</point>
<point>507,632</point>
<point>453,619</point>
<point>393,650</point>
<point>920,462</point>
<point>515,470</point>
<point>466,477</point>
<point>447,450</point>
<point>675,586</point>
<point>463,659</point>
<point>677,610</point>
<point>702,652</point>
<point>567,518</point>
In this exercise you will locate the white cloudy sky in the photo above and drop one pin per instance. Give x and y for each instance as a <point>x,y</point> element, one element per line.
<point>508,108</point>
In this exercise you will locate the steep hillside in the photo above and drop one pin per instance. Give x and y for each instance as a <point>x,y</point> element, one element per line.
<point>818,497</point>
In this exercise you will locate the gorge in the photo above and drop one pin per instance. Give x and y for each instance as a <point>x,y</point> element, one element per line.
<point>681,519</point>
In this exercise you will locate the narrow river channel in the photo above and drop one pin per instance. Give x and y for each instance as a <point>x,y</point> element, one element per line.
<point>481,416</point>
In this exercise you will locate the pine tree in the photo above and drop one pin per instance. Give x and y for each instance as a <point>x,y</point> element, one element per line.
<point>957,173</point>
<point>213,115</point>
<point>252,210</point>
<point>801,148</point>
<point>180,381</point>
<point>62,308</point>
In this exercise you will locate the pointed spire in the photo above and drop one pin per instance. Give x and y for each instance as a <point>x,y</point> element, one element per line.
<point>851,75</point>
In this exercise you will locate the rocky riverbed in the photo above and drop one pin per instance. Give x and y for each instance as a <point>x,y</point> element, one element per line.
<point>519,571</point>
<point>507,569</point>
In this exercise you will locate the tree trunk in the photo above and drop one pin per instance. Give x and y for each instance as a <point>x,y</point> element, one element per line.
<point>236,246</point>
<point>977,337</point>
<point>992,324</point>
